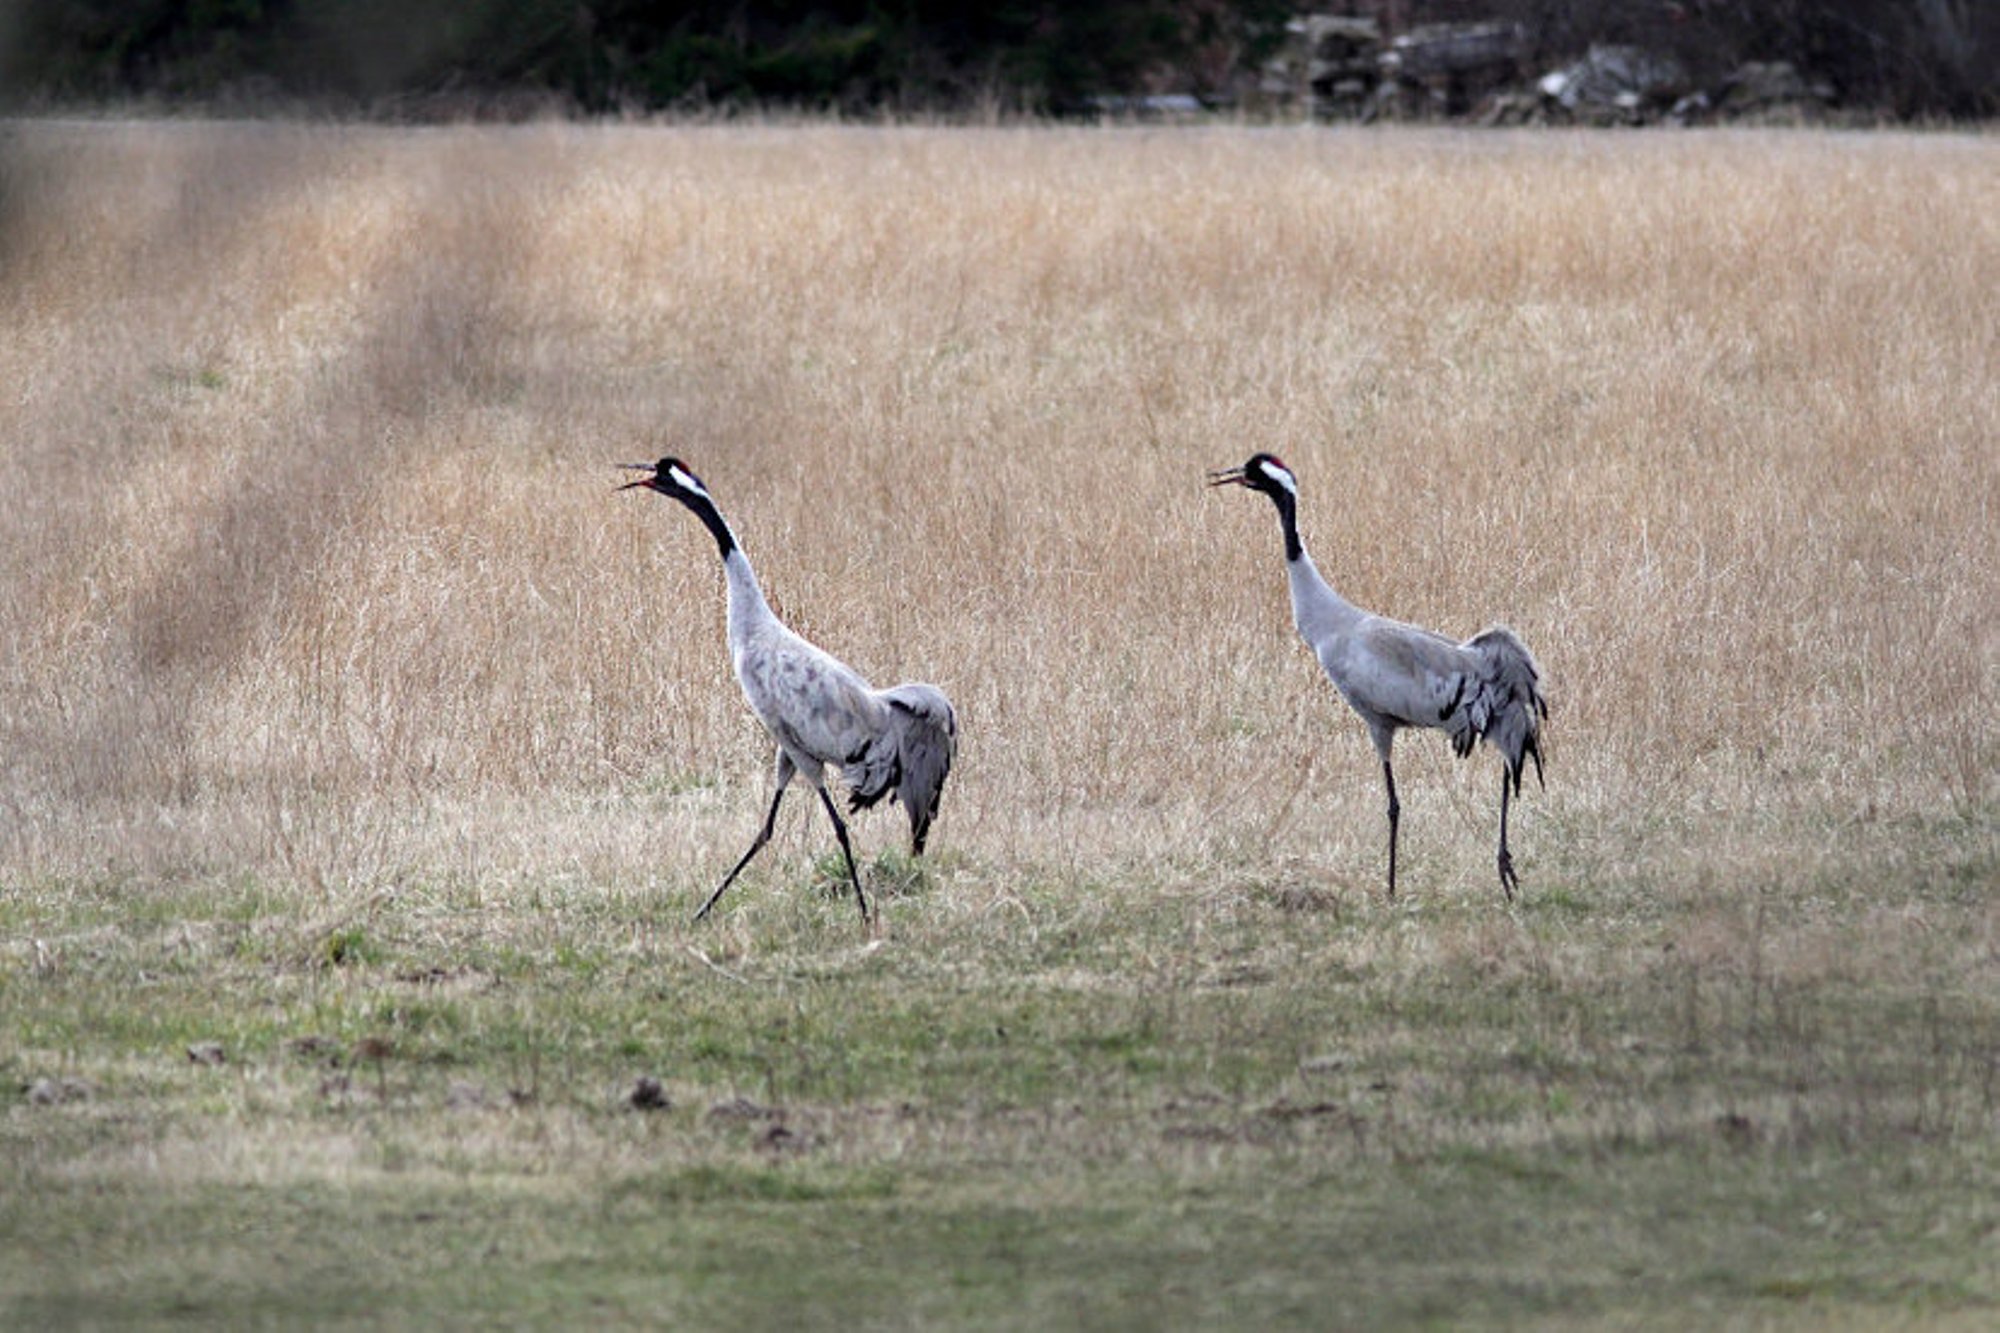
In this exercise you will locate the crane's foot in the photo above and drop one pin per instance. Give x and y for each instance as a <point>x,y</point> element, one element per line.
<point>1509,881</point>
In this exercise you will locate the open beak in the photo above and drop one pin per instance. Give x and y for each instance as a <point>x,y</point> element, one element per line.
<point>1229,476</point>
<point>646,480</point>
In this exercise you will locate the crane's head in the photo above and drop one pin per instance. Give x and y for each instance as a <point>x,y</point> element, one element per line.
<point>669,477</point>
<point>1264,472</point>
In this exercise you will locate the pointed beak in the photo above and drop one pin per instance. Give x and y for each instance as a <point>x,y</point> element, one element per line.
<point>646,480</point>
<point>1229,476</point>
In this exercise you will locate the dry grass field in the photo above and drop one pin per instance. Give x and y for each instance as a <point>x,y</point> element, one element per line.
<point>356,737</point>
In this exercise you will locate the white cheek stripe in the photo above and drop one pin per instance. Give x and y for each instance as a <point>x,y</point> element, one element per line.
<point>1283,478</point>
<point>687,482</point>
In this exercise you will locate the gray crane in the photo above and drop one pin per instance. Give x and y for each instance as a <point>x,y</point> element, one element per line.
<point>897,742</point>
<point>1396,675</point>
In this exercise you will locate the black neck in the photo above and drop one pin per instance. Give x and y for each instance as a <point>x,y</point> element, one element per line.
<point>711,518</point>
<point>1288,519</point>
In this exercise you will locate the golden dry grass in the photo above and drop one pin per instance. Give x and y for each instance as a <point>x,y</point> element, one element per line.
<point>313,529</point>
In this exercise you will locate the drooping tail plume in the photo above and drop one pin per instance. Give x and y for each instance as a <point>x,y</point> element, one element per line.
<point>1506,706</point>
<point>912,757</point>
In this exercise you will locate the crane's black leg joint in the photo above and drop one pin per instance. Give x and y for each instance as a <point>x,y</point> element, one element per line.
<point>1509,881</point>
<point>1395,811</point>
<point>840,832</point>
<point>770,823</point>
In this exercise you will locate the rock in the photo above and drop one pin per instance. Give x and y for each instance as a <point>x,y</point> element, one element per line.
<point>55,1091</point>
<point>1615,84</point>
<point>1147,106</point>
<point>648,1095</point>
<point>1327,60</point>
<point>207,1053</point>
<point>1455,66</point>
<point>1454,48</point>
<point>1691,110</point>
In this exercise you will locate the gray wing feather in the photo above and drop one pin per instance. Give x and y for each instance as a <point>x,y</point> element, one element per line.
<point>816,705</point>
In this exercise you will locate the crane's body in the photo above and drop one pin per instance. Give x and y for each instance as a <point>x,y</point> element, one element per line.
<point>818,710</point>
<point>1396,675</point>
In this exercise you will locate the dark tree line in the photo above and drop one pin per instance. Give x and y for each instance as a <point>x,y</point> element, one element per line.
<point>602,55</point>
<point>1903,57</point>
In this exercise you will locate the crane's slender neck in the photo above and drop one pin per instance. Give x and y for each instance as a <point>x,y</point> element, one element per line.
<point>748,611</point>
<point>1317,610</point>
<point>1288,519</point>
<point>711,518</point>
<point>747,608</point>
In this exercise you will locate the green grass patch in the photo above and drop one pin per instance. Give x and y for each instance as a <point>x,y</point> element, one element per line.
<point>1132,1106</point>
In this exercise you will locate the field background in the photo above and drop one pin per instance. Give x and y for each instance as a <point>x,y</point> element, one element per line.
<point>364,752</point>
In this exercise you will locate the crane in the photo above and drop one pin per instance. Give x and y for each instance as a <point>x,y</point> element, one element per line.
<point>1396,675</point>
<point>897,742</point>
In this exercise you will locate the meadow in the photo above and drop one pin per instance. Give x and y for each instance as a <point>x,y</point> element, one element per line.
<point>363,752</point>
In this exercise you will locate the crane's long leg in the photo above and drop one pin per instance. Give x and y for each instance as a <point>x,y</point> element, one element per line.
<point>840,832</point>
<point>1389,777</point>
<point>784,780</point>
<point>1509,881</point>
